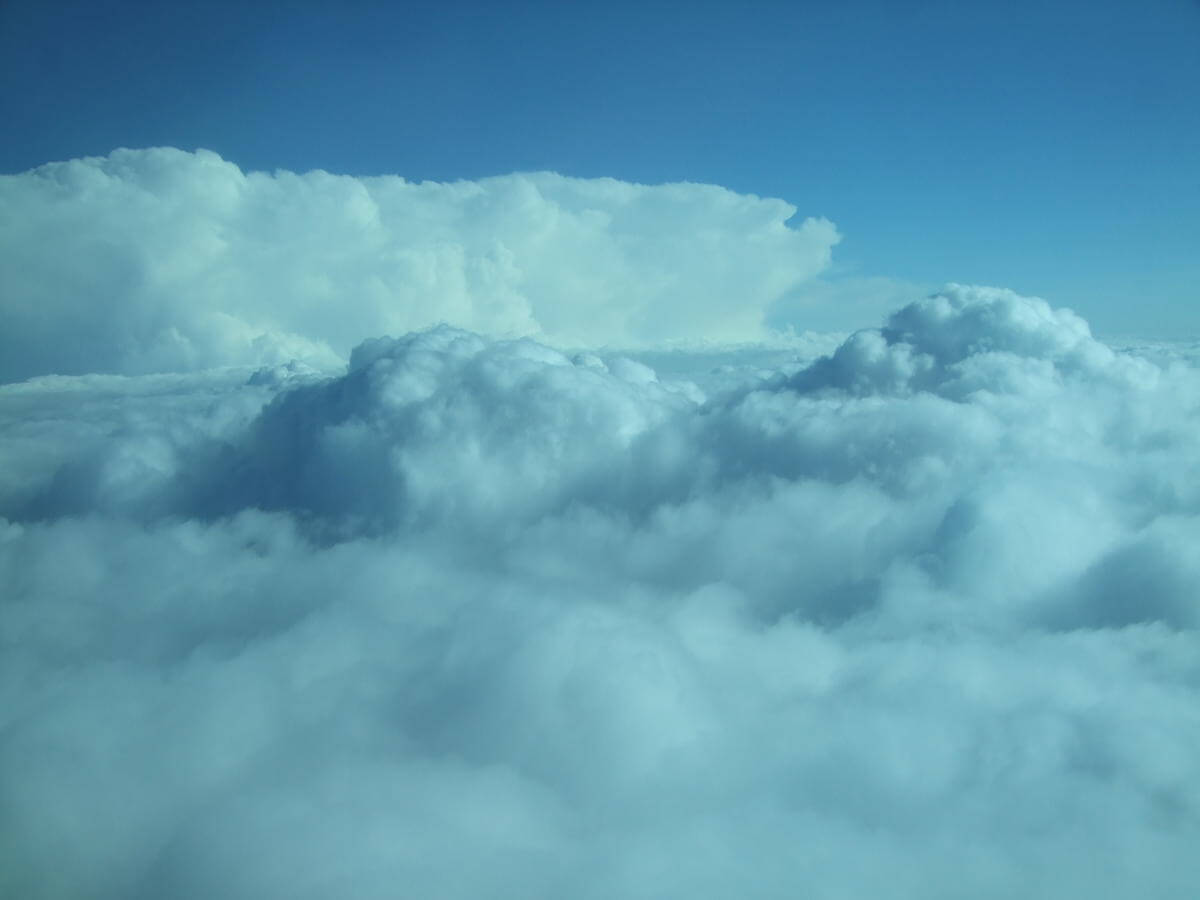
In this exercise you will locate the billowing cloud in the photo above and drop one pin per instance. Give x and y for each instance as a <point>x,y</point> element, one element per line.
<point>160,260</point>
<point>480,618</point>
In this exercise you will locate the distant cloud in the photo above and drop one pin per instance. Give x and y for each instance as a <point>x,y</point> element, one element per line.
<point>161,260</point>
<point>835,302</point>
<point>479,618</point>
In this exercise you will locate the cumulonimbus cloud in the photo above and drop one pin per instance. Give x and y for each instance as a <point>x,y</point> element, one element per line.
<point>480,618</point>
<point>162,260</point>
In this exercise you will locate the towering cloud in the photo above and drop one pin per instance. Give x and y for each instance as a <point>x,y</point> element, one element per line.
<point>161,260</point>
<point>480,618</point>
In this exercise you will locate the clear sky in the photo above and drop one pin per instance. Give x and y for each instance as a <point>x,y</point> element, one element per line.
<point>1051,147</point>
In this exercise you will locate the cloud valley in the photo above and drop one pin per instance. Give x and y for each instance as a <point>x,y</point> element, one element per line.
<point>482,613</point>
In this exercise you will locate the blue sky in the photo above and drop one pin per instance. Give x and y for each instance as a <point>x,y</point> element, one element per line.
<point>1052,147</point>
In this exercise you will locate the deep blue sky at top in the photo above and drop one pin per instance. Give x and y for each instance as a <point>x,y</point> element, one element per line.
<point>1050,146</point>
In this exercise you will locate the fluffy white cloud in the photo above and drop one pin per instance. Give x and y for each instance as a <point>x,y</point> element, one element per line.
<point>161,260</point>
<point>478,618</point>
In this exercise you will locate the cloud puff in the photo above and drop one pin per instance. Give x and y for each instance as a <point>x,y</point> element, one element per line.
<point>161,260</point>
<point>478,618</point>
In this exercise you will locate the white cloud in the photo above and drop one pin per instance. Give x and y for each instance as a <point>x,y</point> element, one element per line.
<point>161,260</point>
<point>482,618</point>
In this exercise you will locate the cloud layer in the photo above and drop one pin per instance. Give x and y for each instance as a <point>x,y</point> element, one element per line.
<point>478,618</point>
<point>161,260</point>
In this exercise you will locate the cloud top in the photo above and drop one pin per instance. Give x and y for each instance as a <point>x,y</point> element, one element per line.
<point>163,260</point>
<point>963,337</point>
